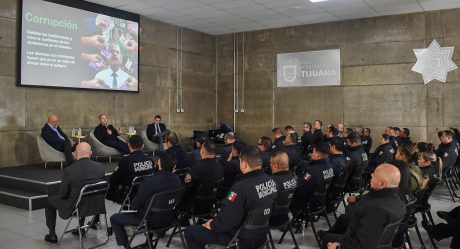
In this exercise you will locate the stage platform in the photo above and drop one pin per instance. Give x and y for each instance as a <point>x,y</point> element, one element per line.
<point>28,186</point>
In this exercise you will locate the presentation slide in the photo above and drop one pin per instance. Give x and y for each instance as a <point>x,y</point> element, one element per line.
<point>64,46</point>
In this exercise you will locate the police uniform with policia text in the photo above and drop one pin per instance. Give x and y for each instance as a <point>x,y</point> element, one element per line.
<point>135,164</point>
<point>312,175</point>
<point>254,190</point>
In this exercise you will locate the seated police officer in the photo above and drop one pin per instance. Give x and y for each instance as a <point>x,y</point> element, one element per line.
<point>312,175</point>
<point>265,148</point>
<point>285,183</point>
<point>382,154</point>
<point>137,163</point>
<point>255,190</point>
<point>205,171</point>
<point>231,169</point>
<point>162,180</point>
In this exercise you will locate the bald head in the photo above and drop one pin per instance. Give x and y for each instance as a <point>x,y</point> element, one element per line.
<point>385,176</point>
<point>53,120</point>
<point>83,150</point>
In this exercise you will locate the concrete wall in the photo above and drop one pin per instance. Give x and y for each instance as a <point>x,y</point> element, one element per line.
<point>23,111</point>
<point>378,89</point>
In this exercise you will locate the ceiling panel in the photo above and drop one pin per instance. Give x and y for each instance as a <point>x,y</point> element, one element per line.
<point>228,16</point>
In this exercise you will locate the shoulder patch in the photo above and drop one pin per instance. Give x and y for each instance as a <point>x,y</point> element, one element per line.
<point>446,155</point>
<point>307,177</point>
<point>188,178</point>
<point>381,153</point>
<point>232,196</point>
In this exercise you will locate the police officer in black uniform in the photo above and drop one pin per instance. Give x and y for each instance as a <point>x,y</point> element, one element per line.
<point>337,156</point>
<point>366,140</point>
<point>357,161</point>
<point>290,147</point>
<point>231,169</point>
<point>205,171</point>
<point>382,154</point>
<point>265,149</point>
<point>312,174</point>
<point>447,150</point>
<point>255,190</point>
<point>137,163</point>
<point>162,180</point>
<point>285,183</point>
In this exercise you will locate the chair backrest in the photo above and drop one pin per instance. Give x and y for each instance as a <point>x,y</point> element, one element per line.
<point>90,193</point>
<point>208,191</point>
<point>149,145</point>
<point>257,219</point>
<point>283,200</point>
<point>339,184</point>
<point>165,201</point>
<point>133,188</point>
<point>181,172</point>
<point>321,189</point>
<point>389,233</point>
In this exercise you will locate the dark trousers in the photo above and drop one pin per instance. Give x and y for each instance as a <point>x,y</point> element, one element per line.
<point>451,229</point>
<point>198,236</point>
<point>52,204</point>
<point>67,148</point>
<point>51,207</point>
<point>119,221</point>
<point>118,144</point>
<point>335,233</point>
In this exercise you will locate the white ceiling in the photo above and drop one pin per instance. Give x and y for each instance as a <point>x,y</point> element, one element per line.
<point>229,16</point>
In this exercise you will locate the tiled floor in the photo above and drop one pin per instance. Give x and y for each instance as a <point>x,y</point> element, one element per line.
<point>25,230</point>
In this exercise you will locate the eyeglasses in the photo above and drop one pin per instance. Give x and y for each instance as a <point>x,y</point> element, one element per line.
<point>259,144</point>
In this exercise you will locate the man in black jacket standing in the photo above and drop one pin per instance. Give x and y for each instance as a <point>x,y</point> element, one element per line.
<point>161,181</point>
<point>56,138</point>
<point>83,171</point>
<point>255,190</point>
<point>108,135</point>
<point>318,136</point>
<point>307,139</point>
<point>374,210</point>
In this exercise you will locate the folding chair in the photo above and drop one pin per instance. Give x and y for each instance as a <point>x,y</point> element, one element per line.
<point>389,233</point>
<point>132,191</point>
<point>255,220</point>
<point>89,194</point>
<point>203,206</point>
<point>281,206</point>
<point>164,202</point>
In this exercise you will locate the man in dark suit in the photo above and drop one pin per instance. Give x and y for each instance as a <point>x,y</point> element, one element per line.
<point>83,171</point>
<point>55,137</point>
<point>157,131</point>
<point>108,135</point>
<point>161,181</point>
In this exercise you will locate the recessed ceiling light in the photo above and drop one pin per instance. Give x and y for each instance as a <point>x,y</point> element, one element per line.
<point>317,1</point>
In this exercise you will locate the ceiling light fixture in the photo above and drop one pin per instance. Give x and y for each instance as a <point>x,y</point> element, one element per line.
<point>317,1</point>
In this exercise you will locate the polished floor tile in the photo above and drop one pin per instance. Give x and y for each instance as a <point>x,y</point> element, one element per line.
<point>23,229</point>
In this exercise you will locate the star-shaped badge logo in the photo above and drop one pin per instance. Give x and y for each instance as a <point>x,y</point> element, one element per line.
<point>434,62</point>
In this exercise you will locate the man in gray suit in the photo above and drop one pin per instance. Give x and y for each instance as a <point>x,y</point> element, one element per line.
<point>83,171</point>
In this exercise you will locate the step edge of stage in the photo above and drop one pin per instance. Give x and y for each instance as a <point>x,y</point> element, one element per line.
<point>38,182</point>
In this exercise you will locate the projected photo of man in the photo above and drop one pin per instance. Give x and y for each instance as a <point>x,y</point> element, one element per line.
<point>118,50</point>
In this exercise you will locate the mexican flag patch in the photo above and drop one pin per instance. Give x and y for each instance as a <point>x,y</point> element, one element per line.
<point>307,177</point>
<point>232,196</point>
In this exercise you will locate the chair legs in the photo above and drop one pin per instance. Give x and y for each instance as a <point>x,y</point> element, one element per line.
<point>80,235</point>
<point>179,230</point>
<point>288,228</point>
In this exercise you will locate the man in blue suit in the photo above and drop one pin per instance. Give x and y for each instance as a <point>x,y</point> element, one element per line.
<point>55,137</point>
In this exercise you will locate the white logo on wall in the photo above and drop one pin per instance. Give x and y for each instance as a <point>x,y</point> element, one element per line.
<point>314,68</point>
<point>434,62</point>
<point>290,73</point>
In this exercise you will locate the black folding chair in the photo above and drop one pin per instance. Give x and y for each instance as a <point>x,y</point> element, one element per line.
<point>89,194</point>
<point>281,207</point>
<point>336,193</point>
<point>389,233</point>
<point>255,220</point>
<point>164,202</point>
<point>132,191</point>
<point>203,206</point>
